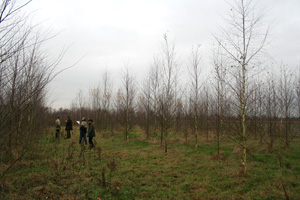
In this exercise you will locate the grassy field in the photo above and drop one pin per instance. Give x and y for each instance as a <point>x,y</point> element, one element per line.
<point>63,169</point>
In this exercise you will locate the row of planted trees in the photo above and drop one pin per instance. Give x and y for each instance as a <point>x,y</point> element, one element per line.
<point>205,108</point>
<point>271,103</point>
<point>244,96</point>
<point>272,110</point>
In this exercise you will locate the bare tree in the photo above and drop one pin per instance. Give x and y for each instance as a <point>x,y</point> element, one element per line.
<point>207,102</point>
<point>195,73</point>
<point>147,101</point>
<point>128,101</point>
<point>81,102</point>
<point>287,98</point>
<point>256,110</point>
<point>94,104</point>
<point>155,84</point>
<point>220,66</point>
<point>74,109</point>
<point>187,114</point>
<point>243,40</point>
<point>107,89</point>
<point>272,110</point>
<point>167,92</point>
<point>118,108</point>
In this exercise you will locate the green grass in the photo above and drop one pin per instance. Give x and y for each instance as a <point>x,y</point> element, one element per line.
<point>54,170</point>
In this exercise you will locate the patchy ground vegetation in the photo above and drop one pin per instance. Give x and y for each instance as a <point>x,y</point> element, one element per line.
<point>140,169</point>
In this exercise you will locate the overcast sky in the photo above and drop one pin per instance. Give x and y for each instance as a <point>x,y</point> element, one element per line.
<point>110,33</point>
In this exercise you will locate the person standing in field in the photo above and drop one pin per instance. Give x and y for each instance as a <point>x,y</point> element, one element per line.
<point>83,130</point>
<point>69,127</point>
<point>91,133</point>
<point>57,127</point>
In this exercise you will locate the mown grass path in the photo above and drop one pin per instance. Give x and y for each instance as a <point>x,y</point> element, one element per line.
<point>63,169</point>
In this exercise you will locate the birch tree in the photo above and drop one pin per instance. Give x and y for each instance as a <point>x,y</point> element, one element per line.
<point>243,39</point>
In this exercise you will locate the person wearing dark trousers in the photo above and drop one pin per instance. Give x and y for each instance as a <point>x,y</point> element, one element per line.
<point>69,127</point>
<point>91,133</point>
<point>83,130</point>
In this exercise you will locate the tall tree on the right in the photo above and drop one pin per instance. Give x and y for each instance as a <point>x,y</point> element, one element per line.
<point>243,40</point>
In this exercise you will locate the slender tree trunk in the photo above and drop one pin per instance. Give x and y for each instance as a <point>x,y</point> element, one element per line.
<point>196,126</point>
<point>166,135</point>
<point>127,125</point>
<point>162,131</point>
<point>286,144</point>
<point>244,144</point>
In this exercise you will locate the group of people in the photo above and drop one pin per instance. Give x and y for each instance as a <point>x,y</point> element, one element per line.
<point>87,129</point>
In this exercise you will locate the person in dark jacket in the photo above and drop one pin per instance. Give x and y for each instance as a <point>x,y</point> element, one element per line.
<point>83,130</point>
<point>69,127</point>
<point>91,133</point>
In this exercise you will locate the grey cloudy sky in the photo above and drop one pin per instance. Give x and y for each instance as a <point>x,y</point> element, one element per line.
<point>110,33</point>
